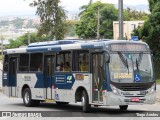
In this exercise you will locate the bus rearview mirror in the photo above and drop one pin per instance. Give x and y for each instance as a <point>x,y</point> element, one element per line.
<point>107,56</point>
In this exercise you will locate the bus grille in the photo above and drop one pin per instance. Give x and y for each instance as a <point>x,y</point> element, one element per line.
<point>134,88</point>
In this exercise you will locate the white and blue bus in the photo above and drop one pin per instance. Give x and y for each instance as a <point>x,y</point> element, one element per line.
<point>97,73</point>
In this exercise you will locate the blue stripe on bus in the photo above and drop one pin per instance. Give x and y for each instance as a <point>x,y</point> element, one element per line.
<point>12,80</point>
<point>63,80</point>
<point>37,50</point>
<point>43,49</point>
<point>91,46</point>
<point>40,80</point>
<point>60,80</point>
<point>87,46</point>
<point>58,48</point>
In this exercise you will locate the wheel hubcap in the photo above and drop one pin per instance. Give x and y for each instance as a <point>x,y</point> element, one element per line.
<point>83,101</point>
<point>26,97</point>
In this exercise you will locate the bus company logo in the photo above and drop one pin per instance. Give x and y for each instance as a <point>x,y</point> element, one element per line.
<point>20,114</point>
<point>69,78</point>
<point>6,114</point>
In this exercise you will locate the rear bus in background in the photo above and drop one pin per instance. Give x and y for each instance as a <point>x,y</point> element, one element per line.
<point>98,73</point>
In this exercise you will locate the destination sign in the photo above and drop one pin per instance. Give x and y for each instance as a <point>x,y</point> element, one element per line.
<point>123,75</point>
<point>128,47</point>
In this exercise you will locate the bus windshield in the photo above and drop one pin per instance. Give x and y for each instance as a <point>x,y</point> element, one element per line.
<point>131,68</point>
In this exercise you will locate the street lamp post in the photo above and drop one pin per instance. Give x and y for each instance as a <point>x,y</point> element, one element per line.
<point>120,6</point>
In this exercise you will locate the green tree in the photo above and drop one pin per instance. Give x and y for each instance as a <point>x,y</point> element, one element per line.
<point>84,7</point>
<point>150,32</point>
<point>87,26</point>
<point>71,28</point>
<point>23,40</point>
<point>52,17</point>
<point>130,15</point>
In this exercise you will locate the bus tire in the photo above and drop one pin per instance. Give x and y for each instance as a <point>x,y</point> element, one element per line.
<point>85,102</point>
<point>27,100</point>
<point>62,103</point>
<point>123,107</point>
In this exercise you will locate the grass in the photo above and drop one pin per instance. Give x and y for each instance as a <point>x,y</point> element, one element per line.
<point>158,81</point>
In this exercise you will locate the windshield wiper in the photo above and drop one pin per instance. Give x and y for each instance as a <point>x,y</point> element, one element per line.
<point>138,61</point>
<point>140,57</point>
<point>137,65</point>
<point>124,61</point>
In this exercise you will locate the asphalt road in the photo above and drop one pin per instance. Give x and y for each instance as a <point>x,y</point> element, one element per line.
<point>75,110</point>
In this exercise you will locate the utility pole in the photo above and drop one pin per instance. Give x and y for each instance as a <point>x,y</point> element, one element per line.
<point>98,24</point>
<point>120,6</point>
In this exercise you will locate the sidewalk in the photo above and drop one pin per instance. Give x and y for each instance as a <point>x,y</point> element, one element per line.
<point>158,96</point>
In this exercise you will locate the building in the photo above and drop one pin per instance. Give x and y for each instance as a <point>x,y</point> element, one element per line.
<point>128,27</point>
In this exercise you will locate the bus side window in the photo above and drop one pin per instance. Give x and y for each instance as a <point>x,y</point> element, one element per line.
<point>63,62</point>
<point>67,66</point>
<point>81,61</point>
<point>59,62</point>
<point>24,62</point>
<point>36,62</point>
<point>84,66</point>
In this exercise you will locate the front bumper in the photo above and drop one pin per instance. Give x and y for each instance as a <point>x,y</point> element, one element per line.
<point>112,99</point>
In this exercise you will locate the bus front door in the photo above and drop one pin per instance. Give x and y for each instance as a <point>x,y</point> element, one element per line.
<point>12,76</point>
<point>49,72</point>
<point>97,78</point>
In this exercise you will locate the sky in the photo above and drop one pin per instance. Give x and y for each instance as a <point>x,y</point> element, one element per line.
<point>21,7</point>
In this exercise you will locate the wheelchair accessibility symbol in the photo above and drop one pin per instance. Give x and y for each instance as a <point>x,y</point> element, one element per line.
<point>137,77</point>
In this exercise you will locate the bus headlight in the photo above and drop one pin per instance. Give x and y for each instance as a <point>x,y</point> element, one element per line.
<point>114,90</point>
<point>152,89</point>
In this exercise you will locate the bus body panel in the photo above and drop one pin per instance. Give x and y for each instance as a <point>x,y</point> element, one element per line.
<point>35,83</point>
<point>59,93</point>
<point>62,86</point>
<point>5,84</point>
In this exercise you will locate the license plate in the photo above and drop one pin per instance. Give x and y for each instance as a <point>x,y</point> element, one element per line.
<point>135,99</point>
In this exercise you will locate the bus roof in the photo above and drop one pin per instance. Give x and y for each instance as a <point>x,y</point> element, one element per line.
<point>65,45</point>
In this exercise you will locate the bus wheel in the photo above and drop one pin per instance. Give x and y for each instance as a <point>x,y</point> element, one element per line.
<point>85,102</point>
<point>123,107</point>
<point>62,103</point>
<point>27,98</point>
